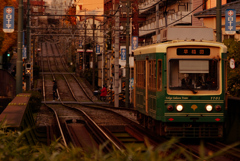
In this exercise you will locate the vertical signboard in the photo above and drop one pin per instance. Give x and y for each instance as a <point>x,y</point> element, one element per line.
<point>24,52</point>
<point>80,44</point>
<point>8,19</point>
<point>97,49</point>
<point>134,42</point>
<point>123,52</point>
<point>24,48</point>
<point>230,21</point>
<point>131,83</point>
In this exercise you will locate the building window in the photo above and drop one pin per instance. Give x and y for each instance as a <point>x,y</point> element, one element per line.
<point>225,37</point>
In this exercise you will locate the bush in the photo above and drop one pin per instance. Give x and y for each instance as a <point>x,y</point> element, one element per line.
<point>233,78</point>
<point>13,146</point>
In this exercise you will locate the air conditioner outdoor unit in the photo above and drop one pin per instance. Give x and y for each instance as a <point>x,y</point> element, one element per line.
<point>187,33</point>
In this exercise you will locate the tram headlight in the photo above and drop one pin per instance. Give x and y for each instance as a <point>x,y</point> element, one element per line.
<point>209,108</point>
<point>170,107</point>
<point>218,108</point>
<point>179,108</point>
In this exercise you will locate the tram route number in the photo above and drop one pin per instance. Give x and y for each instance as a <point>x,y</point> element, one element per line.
<point>215,98</point>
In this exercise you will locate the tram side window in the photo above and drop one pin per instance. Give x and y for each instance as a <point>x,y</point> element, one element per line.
<point>141,74</point>
<point>159,82</point>
<point>152,74</point>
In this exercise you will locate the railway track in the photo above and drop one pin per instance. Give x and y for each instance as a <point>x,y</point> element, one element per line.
<point>69,122</point>
<point>80,123</point>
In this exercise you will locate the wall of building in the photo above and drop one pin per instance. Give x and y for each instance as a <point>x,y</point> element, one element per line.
<point>196,21</point>
<point>212,3</point>
<point>210,22</point>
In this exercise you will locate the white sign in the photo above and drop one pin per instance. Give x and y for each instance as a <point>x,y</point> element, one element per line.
<point>232,63</point>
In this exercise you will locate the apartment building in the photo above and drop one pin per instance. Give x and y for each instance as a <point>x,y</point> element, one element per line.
<point>167,13</point>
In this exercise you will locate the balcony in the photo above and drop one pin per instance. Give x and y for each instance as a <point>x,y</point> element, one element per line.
<point>145,5</point>
<point>176,18</point>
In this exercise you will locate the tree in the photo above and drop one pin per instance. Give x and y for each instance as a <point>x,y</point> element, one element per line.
<point>233,80</point>
<point>72,19</point>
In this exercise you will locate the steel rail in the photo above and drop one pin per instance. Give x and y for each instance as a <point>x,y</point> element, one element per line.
<point>69,87</point>
<point>80,84</point>
<point>56,116</point>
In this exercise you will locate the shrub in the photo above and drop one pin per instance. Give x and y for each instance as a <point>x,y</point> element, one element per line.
<point>13,146</point>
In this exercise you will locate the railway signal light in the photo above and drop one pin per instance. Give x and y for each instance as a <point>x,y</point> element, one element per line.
<point>28,68</point>
<point>28,71</point>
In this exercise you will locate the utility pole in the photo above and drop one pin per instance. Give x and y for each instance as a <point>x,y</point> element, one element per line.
<point>219,21</point>
<point>116,63</point>
<point>94,53</point>
<point>28,78</point>
<point>127,57</point>
<point>19,65</point>
<point>85,42</point>
<point>103,53</point>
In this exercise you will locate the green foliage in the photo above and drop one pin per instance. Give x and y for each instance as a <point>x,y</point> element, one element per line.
<point>233,81</point>
<point>13,144</point>
<point>14,147</point>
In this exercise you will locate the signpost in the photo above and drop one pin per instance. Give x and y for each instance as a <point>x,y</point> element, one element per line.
<point>230,21</point>
<point>8,19</point>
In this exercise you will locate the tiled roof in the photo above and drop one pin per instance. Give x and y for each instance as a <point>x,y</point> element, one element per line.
<point>212,11</point>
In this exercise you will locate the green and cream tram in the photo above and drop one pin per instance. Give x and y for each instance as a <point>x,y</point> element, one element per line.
<point>180,88</point>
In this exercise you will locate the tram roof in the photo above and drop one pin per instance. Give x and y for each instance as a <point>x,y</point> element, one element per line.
<point>162,47</point>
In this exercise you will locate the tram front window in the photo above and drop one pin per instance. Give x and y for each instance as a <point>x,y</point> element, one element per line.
<point>193,74</point>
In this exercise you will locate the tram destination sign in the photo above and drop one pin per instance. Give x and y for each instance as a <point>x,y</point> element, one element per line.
<point>193,51</point>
